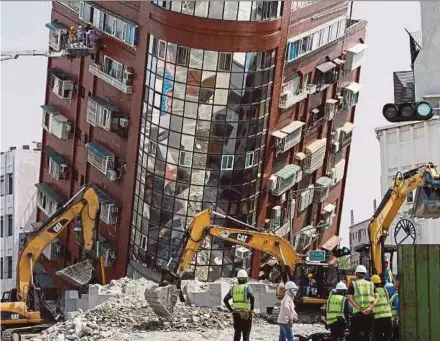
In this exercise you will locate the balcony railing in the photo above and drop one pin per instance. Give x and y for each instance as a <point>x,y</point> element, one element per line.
<point>283,230</point>
<point>291,98</point>
<point>95,70</point>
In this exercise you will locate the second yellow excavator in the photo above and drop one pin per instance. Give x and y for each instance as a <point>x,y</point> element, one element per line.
<point>22,308</point>
<point>163,298</point>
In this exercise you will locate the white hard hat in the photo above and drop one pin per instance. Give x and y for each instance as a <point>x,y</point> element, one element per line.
<point>242,274</point>
<point>361,269</point>
<point>291,286</point>
<point>341,286</point>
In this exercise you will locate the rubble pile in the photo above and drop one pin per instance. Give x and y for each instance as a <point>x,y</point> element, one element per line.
<point>129,311</point>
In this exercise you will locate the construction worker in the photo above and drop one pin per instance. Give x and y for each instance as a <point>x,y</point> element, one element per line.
<point>363,297</point>
<point>242,306</point>
<point>382,329</point>
<point>395,310</point>
<point>388,274</point>
<point>337,312</point>
<point>287,315</point>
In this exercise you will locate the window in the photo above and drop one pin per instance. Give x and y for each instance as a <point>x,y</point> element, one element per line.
<point>101,113</point>
<point>185,158</point>
<point>1,227</point>
<point>249,162</point>
<point>101,160</point>
<point>227,162</point>
<point>225,61</point>
<point>182,55</point>
<point>10,183</point>
<point>63,88</point>
<point>2,184</point>
<point>9,266</point>
<point>55,169</point>
<point>161,49</point>
<point>85,12</point>
<point>113,68</point>
<point>1,268</point>
<point>152,147</point>
<point>10,225</point>
<point>143,243</point>
<point>73,5</point>
<point>410,197</point>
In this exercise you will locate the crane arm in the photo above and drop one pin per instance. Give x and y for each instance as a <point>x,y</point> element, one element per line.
<point>7,55</point>
<point>87,207</point>
<point>403,184</point>
<point>269,243</point>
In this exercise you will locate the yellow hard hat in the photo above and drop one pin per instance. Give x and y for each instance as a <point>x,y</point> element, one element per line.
<point>309,275</point>
<point>376,279</point>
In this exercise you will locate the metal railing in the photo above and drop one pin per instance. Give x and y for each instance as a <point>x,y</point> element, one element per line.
<point>95,70</point>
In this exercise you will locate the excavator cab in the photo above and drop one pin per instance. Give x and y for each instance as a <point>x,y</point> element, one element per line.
<point>427,199</point>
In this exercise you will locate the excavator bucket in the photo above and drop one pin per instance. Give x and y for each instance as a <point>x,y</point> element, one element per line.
<point>162,300</point>
<point>427,201</point>
<point>78,274</point>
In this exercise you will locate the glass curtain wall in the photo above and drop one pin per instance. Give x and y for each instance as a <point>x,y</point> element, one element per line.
<point>202,140</point>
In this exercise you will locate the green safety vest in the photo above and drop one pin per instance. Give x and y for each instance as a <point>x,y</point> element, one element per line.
<point>363,294</point>
<point>383,306</point>
<point>393,310</point>
<point>240,299</point>
<point>335,308</point>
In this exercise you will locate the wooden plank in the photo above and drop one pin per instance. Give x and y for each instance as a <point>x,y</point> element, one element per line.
<point>408,295</point>
<point>434,290</point>
<point>422,286</point>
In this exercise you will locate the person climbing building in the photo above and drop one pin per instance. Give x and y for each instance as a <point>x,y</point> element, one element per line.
<point>242,306</point>
<point>337,312</point>
<point>363,297</point>
<point>382,329</point>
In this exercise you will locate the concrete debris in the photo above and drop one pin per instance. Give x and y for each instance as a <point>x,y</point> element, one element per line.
<point>127,313</point>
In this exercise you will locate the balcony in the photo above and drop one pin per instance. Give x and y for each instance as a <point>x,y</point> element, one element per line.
<point>288,137</point>
<point>109,212</point>
<point>351,94</point>
<point>322,189</point>
<point>288,99</point>
<point>101,158</point>
<point>285,179</point>
<point>48,200</point>
<point>120,84</point>
<point>346,134</point>
<point>283,230</point>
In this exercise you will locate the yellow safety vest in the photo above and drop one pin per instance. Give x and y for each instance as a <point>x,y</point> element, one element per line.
<point>363,294</point>
<point>240,299</point>
<point>335,308</point>
<point>393,310</point>
<point>390,275</point>
<point>383,306</point>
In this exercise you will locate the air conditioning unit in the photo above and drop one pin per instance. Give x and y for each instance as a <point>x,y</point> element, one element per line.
<point>272,184</point>
<point>123,122</point>
<point>311,89</point>
<point>283,197</point>
<point>127,76</point>
<point>335,147</point>
<point>330,109</point>
<point>275,216</point>
<point>242,252</point>
<point>111,174</point>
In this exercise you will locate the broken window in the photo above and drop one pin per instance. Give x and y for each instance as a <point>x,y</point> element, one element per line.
<point>227,162</point>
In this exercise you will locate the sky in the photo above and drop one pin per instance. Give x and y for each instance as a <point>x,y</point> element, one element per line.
<point>23,86</point>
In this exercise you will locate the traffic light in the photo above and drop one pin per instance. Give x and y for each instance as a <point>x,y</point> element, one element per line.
<point>343,251</point>
<point>418,111</point>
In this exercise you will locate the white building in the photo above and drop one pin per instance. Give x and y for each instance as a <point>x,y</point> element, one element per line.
<point>19,172</point>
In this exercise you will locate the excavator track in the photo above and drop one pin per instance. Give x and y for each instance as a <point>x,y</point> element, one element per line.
<point>162,300</point>
<point>23,333</point>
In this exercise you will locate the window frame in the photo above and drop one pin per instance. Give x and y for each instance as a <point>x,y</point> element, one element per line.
<point>251,156</point>
<point>107,67</point>
<point>229,159</point>
<point>223,63</point>
<point>186,154</point>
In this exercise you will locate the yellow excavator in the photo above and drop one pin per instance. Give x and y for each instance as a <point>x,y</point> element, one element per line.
<point>426,181</point>
<point>163,298</point>
<point>22,308</point>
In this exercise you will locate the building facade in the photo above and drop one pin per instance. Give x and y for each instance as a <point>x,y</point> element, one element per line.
<point>18,173</point>
<point>243,107</point>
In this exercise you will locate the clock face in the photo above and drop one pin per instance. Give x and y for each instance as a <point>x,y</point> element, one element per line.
<point>423,109</point>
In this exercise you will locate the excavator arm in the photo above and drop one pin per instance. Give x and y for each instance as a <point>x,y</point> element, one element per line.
<point>426,180</point>
<point>87,207</point>
<point>266,242</point>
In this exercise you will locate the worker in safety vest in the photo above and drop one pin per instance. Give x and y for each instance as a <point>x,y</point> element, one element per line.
<point>388,274</point>
<point>337,312</point>
<point>382,330</point>
<point>395,310</point>
<point>242,306</point>
<point>363,297</point>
